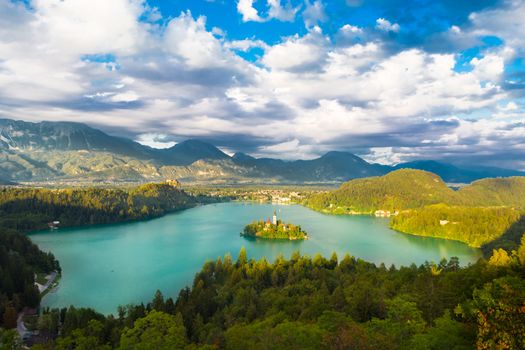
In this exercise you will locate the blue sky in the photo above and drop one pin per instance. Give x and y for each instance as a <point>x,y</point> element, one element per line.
<point>391,81</point>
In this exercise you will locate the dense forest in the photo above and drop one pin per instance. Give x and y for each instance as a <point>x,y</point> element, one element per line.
<point>26,209</point>
<point>496,192</point>
<point>20,259</point>
<point>473,225</point>
<point>268,230</point>
<point>401,189</point>
<point>315,303</point>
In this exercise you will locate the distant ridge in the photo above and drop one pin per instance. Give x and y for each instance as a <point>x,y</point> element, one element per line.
<point>55,151</point>
<point>454,174</point>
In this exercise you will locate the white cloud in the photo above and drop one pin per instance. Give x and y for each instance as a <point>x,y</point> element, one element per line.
<point>307,94</point>
<point>297,52</point>
<point>314,13</point>
<point>292,149</point>
<point>505,22</point>
<point>511,106</point>
<point>248,12</point>
<point>388,156</point>
<point>282,13</point>
<point>386,26</point>
<point>155,140</point>
<point>347,28</point>
<point>128,96</point>
<point>276,11</point>
<point>188,38</point>
<point>246,44</point>
<point>490,67</point>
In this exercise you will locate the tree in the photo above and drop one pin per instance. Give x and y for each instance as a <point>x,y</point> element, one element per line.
<point>157,330</point>
<point>10,340</point>
<point>158,301</point>
<point>446,334</point>
<point>499,309</point>
<point>10,317</point>
<point>499,257</point>
<point>243,258</point>
<point>520,253</point>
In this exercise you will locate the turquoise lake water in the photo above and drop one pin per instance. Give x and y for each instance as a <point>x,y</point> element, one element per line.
<point>110,265</point>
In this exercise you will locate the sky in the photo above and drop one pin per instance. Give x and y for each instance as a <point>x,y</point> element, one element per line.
<point>392,81</point>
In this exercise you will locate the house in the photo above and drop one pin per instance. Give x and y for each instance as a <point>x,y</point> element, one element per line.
<point>53,224</point>
<point>382,213</point>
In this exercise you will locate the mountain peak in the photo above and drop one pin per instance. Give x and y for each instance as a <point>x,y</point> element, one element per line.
<point>242,156</point>
<point>191,150</point>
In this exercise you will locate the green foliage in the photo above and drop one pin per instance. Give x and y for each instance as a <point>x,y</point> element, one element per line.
<point>500,257</point>
<point>9,339</point>
<point>472,225</point>
<point>282,230</point>
<point>20,259</point>
<point>499,311</point>
<point>447,333</point>
<point>509,240</point>
<point>318,303</point>
<point>496,192</point>
<point>401,189</point>
<point>157,330</point>
<point>27,209</point>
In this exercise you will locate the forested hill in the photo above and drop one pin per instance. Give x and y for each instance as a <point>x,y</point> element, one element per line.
<point>400,189</point>
<point>318,303</point>
<point>496,192</point>
<point>407,188</point>
<point>26,209</point>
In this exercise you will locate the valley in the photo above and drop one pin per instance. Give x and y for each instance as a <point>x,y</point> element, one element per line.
<point>105,213</point>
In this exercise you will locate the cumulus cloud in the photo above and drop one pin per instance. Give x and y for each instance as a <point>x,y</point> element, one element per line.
<point>386,26</point>
<point>248,12</point>
<point>283,13</point>
<point>504,22</point>
<point>276,10</point>
<point>297,53</point>
<point>314,13</point>
<point>307,94</point>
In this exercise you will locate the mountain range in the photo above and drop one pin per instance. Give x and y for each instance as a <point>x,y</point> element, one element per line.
<point>75,152</point>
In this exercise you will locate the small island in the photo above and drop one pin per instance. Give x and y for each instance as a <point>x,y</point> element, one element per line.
<point>275,229</point>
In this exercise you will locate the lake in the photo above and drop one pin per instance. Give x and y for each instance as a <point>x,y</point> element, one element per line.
<point>109,265</point>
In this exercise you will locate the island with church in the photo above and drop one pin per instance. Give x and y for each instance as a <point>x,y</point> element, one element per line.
<point>274,229</point>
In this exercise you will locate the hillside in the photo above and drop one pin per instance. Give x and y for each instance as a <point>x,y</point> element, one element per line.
<point>25,209</point>
<point>496,192</point>
<point>65,136</point>
<point>398,190</point>
<point>472,225</point>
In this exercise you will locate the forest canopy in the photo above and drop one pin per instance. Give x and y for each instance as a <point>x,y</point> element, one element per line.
<point>317,303</point>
